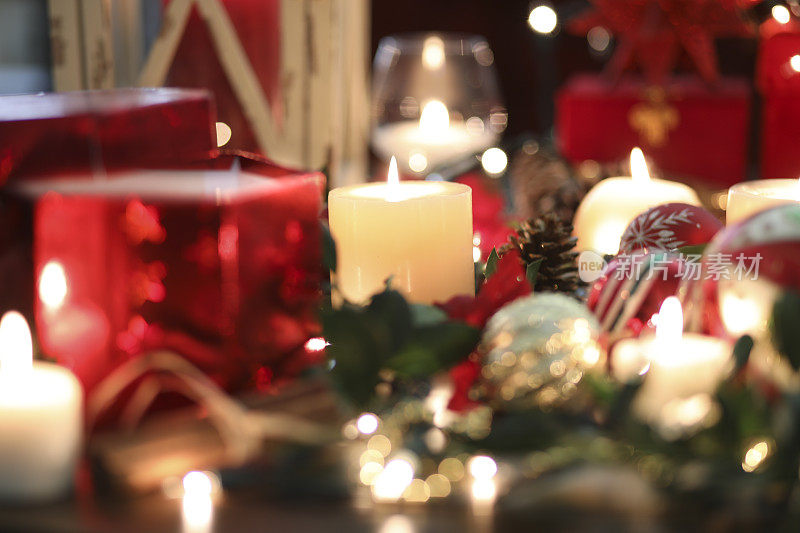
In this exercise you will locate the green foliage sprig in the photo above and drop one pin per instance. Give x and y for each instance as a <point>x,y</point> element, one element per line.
<point>410,341</point>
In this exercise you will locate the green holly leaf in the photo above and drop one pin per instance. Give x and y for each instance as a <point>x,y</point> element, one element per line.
<point>532,272</point>
<point>741,351</point>
<point>355,349</point>
<point>427,315</point>
<point>491,263</point>
<point>783,326</point>
<point>328,248</point>
<point>391,316</point>
<point>434,348</point>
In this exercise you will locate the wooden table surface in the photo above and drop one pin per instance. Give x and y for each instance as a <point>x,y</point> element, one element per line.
<point>242,513</point>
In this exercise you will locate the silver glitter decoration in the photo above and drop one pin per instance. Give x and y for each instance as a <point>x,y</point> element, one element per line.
<point>538,349</point>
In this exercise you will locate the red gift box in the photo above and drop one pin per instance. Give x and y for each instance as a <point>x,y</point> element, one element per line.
<point>96,131</point>
<point>221,267</point>
<point>779,83</point>
<point>89,132</point>
<point>686,127</point>
<point>225,274</point>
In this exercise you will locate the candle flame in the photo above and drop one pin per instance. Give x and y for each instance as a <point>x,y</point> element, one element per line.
<point>639,165</point>
<point>393,177</point>
<point>670,321</point>
<point>16,347</point>
<point>434,119</point>
<point>393,182</point>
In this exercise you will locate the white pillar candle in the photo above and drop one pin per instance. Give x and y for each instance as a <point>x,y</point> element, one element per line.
<point>417,233</point>
<point>40,420</point>
<point>612,204</point>
<point>750,197</point>
<point>434,140</point>
<point>682,370</point>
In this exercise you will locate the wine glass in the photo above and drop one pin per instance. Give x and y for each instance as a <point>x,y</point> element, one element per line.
<point>436,100</point>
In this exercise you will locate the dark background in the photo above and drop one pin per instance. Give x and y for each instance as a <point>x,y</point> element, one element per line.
<point>526,62</point>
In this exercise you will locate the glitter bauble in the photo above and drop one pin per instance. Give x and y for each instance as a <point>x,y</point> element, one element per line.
<point>538,349</point>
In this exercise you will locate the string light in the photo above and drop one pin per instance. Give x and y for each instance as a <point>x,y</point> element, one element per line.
<point>316,344</point>
<point>482,467</point>
<point>494,161</point>
<point>224,134</point>
<point>755,456</point>
<point>598,38</point>
<point>543,19</point>
<point>781,14</point>
<point>794,62</point>
<point>367,424</point>
<point>393,480</point>
<point>417,162</point>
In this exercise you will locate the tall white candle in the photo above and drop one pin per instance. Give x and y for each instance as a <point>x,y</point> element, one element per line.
<point>417,233</point>
<point>750,197</point>
<point>612,204</point>
<point>40,419</point>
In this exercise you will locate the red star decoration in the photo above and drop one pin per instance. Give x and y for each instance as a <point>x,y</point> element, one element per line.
<point>652,33</point>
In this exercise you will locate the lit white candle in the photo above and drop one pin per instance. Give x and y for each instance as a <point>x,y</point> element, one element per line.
<point>613,203</point>
<point>682,369</point>
<point>434,140</point>
<point>40,419</point>
<point>750,197</point>
<point>418,233</point>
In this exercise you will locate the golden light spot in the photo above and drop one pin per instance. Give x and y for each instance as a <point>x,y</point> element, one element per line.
<point>439,485</point>
<point>452,469</point>
<point>381,444</point>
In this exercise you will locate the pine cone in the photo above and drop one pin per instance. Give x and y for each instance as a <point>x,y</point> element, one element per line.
<point>544,183</point>
<point>550,240</point>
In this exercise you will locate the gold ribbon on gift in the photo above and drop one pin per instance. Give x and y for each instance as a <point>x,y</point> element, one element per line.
<point>221,433</point>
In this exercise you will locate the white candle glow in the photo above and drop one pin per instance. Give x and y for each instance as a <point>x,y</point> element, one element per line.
<point>434,140</point>
<point>418,233</point>
<point>613,203</point>
<point>682,370</point>
<point>750,197</point>
<point>197,504</point>
<point>40,419</point>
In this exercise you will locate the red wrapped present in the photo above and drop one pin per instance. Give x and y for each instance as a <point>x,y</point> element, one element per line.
<point>220,266</point>
<point>217,260</point>
<point>778,79</point>
<point>88,133</point>
<point>687,127</point>
<point>97,131</point>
